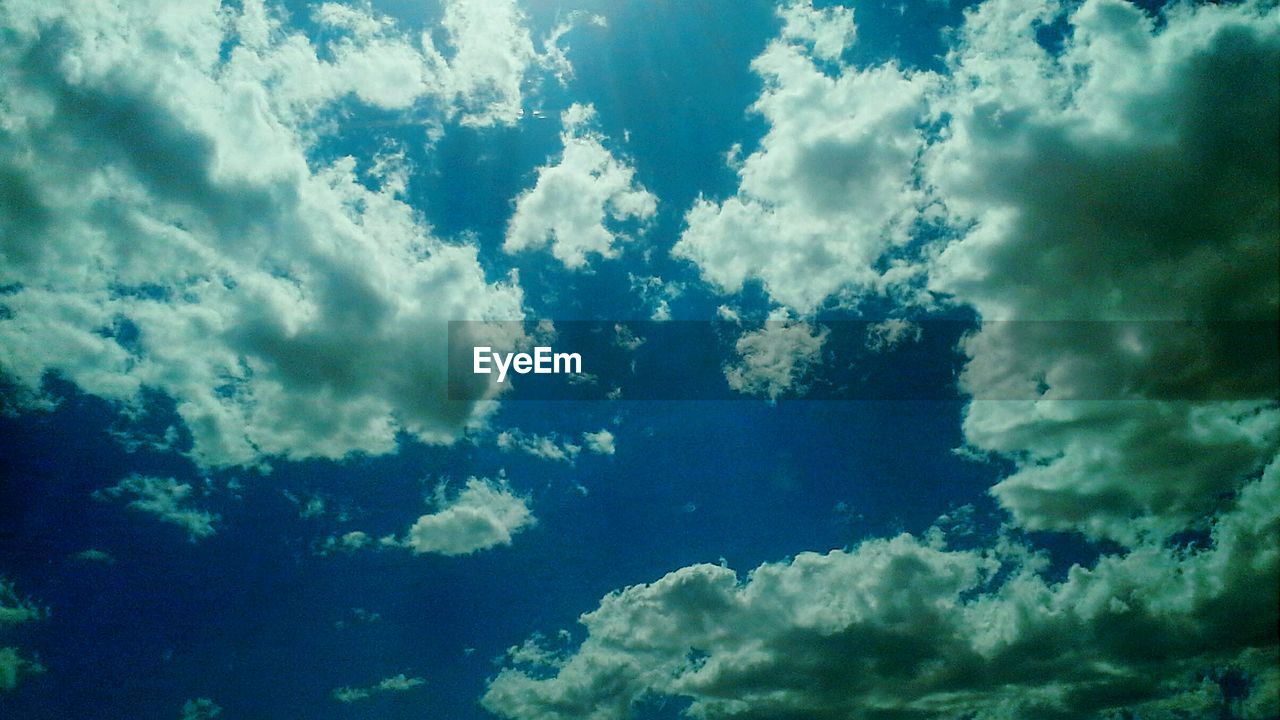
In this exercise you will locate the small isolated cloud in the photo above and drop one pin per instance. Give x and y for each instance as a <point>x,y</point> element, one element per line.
<point>94,555</point>
<point>547,447</point>
<point>774,359</point>
<point>889,334</point>
<point>165,498</point>
<point>345,543</point>
<point>483,515</point>
<point>200,709</point>
<point>397,683</point>
<point>599,442</point>
<point>577,203</point>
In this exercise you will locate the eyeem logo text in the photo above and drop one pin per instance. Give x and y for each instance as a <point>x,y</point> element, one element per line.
<point>542,362</point>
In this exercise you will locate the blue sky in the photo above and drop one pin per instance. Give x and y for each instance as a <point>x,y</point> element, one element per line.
<point>1042,236</point>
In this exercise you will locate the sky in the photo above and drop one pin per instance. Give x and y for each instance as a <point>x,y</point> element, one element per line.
<point>930,360</point>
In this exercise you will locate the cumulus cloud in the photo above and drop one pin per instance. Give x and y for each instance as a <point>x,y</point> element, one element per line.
<point>578,203</point>
<point>774,360</point>
<point>397,683</point>
<point>483,515</point>
<point>600,442</point>
<point>832,187</point>
<point>163,226</point>
<point>907,628</point>
<point>165,498</point>
<point>1122,191</point>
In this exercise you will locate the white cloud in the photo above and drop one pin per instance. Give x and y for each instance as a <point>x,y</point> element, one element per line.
<point>15,610</point>
<point>601,442</point>
<point>191,247</point>
<point>165,498</point>
<point>13,667</point>
<point>483,515</point>
<point>1130,176</point>
<point>94,555</point>
<point>907,628</point>
<point>831,188</point>
<point>889,334</point>
<point>773,360</point>
<point>576,204</point>
<point>1121,180</point>
<point>547,447</point>
<point>200,709</point>
<point>397,683</point>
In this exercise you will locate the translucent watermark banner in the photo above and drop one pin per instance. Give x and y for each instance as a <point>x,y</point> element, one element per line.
<point>864,360</point>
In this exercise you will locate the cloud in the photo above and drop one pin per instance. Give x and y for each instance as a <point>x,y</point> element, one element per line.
<point>1104,208</point>
<point>774,359</point>
<point>200,709</point>
<point>94,555</point>
<point>483,515</point>
<point>889,334</point>
<point>492,53</point>
<point>546,447</point>
<point>165,225</point>
<point>397,683</point>
<point>1121,191</point>
<point>831,188</point>
<point>16,610</point>
<point>907,628</point>
<point>165,498</point>
<point>577,203</point>
<point>600,442</point>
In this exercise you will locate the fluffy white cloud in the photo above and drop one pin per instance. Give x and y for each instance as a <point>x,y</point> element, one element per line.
<point>166,498</point>
<point>577,203</point>
<point>773,360</point>
<point>483,515</point>
<point>601,442</point>
<point>908,628</point>
<point>396,683</point>
<point>831,188</point>
<point>161,226</point>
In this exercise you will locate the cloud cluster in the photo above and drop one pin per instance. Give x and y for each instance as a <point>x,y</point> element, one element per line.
<point>905,627</point>
<point>165,498</point>
<point>164,223</point>
<point>484,514</point>
<point>577,204</point>
<point>1122,186</point>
